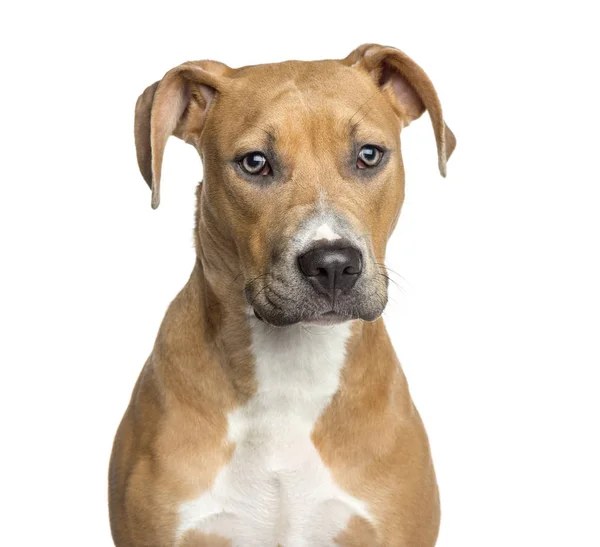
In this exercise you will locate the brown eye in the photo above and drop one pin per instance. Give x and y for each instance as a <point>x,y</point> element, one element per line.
<point>255,163</point>
<point>369,156</point>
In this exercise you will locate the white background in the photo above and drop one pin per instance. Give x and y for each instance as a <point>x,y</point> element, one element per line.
<point>497,322</point>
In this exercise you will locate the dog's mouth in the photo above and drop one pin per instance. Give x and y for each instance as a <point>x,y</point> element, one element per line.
<point>283,297</point>
<point>324,319</point>
<point>328,318</point>
<point>287,304</point>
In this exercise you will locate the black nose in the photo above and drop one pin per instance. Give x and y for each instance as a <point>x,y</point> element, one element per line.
<point>331,269</point>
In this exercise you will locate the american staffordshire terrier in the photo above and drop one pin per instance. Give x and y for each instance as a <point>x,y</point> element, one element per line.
<point>272,410</point>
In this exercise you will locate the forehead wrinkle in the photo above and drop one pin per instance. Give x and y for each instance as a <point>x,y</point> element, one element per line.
<point>253,140</point>
<point>269,134</point>
<point>298,92</point>
<point>360,132</point>
<point>359,109</point>
<point>323,124</point>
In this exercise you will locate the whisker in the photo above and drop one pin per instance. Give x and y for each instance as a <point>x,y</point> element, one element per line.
<point>359,109</point>
<point>251,281</point>
<point>393,281</point>
<point>361,119</point>
<point>257,295</point>
<point>388,269</point>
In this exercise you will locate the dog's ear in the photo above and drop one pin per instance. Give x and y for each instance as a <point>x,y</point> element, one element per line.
<point>410,90</point>
<point>176,105</point>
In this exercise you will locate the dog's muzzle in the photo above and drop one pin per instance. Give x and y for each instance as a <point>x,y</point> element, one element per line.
<point>324,273</point>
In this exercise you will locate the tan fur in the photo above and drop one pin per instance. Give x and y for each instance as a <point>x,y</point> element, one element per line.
<point>198,539</point>
<point>359,533</point>
<point>172,440</point>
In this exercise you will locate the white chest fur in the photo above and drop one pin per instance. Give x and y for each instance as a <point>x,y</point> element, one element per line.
<point>276,489</point>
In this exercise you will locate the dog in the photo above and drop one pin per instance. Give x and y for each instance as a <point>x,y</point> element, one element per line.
<point>272,410</point>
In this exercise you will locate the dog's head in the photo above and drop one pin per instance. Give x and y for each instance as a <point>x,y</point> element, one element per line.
<point>303,175</point>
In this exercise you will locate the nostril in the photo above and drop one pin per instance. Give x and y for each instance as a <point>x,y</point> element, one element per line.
<point>353,264</point>
<point>322,271</point>
<point>350,271</point>
<point>309,265</point>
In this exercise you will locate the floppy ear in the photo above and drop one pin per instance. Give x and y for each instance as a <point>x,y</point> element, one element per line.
<point>176,105</point>
<point>409,88</point>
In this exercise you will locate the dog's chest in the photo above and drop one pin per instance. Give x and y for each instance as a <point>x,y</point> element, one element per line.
<point>276,490</point>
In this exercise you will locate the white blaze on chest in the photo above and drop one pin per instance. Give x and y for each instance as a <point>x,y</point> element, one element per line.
<point>276,489</point>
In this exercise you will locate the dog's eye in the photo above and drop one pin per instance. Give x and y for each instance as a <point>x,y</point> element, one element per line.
<point>369,156</point>
<point>255,163</point>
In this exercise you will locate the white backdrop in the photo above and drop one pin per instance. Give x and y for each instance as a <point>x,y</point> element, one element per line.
<point>497,315</point>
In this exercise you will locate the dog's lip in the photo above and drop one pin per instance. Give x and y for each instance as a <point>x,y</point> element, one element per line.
<point>328,318</point>
<point>258,316</point>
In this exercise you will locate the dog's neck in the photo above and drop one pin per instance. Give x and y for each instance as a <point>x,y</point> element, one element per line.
<point>299,358</point>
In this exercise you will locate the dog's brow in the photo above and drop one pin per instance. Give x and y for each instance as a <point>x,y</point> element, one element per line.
<point>355,128</point>
<point>355,124</point>
<point>269,134</point>
<point>359,109</point>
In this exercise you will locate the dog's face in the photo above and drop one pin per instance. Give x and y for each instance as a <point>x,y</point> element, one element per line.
<point>303,176</point>
<point>307,177</point>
